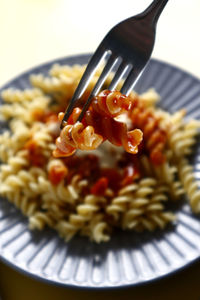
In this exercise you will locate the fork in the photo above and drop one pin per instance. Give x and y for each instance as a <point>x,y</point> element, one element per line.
<point>128,47</point>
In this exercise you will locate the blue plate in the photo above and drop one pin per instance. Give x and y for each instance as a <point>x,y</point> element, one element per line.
<point>129,258</point>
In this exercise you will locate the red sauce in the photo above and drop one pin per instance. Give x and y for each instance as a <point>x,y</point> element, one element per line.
<point>114,178</point>
<point>45,117</point>
<point>51,117</point>
<point>35,156</point>
<point>57,174</point>
<point>87,167</point>
<point>99,187</point>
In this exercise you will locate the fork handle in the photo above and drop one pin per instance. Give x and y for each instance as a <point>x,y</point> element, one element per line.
<point>154,11</point>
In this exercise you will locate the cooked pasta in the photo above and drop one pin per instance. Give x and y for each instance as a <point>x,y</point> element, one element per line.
<point>138,164</point>
<point>98,125</point>
<point>191,187</point>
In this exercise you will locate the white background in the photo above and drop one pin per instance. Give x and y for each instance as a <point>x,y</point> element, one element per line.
<point>36,31</point>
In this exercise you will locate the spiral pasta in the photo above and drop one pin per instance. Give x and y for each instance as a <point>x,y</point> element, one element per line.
<point>190,185</point>
<point>146,210</point>
<point>98,125</point>
<point>155,136</point>
<point>181,135</point>
<point>165,173</point>
<point>93,193</point>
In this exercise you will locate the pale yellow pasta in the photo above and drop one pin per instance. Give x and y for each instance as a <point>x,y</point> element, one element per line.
<point>97,229</point>
<point>14,96</point>
<point>145,209</point>
<point>190,184</point>
<point>181,135</point>
<point>167,174</point>
<point>150,98</point>
<point>66,230</point>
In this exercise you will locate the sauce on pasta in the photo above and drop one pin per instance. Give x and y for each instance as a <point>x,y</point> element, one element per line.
<point>99,124</point>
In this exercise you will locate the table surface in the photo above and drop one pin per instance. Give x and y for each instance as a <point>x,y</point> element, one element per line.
<point>36,31</point>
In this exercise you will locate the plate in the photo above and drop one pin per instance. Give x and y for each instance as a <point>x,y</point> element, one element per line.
<point>128,258</point>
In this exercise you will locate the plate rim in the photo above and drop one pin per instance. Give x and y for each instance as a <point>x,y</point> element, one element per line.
<point>50,282</point>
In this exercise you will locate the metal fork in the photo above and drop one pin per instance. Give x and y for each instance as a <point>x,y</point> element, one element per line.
<point>127,46</point>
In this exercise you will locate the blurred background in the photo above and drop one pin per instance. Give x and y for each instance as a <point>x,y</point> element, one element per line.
<point>36,31</point>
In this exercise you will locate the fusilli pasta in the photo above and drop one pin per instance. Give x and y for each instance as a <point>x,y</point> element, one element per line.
<point>98,125</point>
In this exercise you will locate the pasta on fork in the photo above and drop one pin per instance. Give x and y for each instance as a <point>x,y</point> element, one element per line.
<point>102,122</point>
<point>98,125</point>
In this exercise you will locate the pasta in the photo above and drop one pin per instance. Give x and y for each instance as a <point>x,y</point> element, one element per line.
<point>139,161</point>
<point>189,184</point>
<point>98,125</point>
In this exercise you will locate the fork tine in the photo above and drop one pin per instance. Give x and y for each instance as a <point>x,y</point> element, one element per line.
<point>130,81</point>
<point>108,67</point>
<point>90,70</point>
<point>118,75</point>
